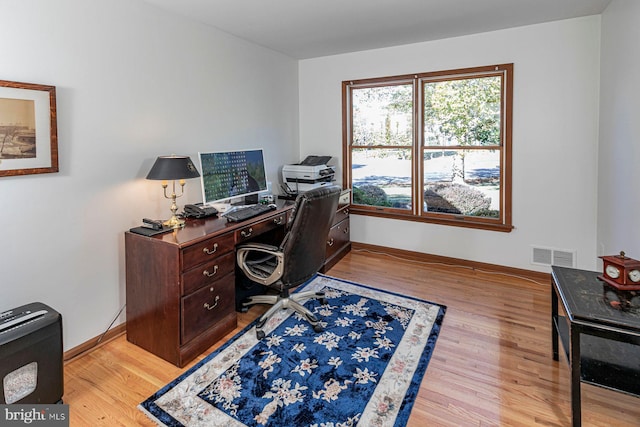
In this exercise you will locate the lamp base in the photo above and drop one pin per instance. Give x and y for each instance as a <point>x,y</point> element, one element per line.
<point>174,222</point>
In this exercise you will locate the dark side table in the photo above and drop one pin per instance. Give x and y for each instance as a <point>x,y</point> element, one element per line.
<point>599,331</point>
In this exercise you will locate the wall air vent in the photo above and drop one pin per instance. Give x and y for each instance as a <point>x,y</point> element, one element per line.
<point>551,256</point>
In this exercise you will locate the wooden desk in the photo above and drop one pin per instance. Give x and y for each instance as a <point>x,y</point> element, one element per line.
<point>181,284</point>
<point>600,341</point>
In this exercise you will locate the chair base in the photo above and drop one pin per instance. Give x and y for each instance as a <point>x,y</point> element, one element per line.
<point>279,302</point>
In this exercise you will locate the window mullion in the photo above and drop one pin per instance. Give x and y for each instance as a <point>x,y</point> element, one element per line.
<point>418,166</point>
<point>347,134</point>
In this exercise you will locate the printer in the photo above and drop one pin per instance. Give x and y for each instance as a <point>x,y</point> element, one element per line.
<point>311,173</point>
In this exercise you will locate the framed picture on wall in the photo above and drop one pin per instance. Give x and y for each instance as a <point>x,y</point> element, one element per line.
<point>28,129</point>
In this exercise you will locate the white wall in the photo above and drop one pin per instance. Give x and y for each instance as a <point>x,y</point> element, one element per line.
<point>555,135</point>
<point>619,153</point>
<point>133,82</point>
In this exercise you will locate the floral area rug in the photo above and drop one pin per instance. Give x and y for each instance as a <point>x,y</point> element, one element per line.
<point>364,369</point>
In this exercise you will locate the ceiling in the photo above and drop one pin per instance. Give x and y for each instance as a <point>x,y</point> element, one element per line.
<point>313,28</point>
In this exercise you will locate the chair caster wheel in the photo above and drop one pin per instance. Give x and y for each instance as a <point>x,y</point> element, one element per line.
<point>323,301</point>
<point>317,328</point>
<point>260,334</point>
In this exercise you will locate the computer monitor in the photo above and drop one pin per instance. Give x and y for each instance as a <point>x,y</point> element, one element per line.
<point>229,175</point>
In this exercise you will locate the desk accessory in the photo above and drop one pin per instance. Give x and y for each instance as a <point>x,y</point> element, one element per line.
<point>152,224</point>
<point>147,231</point>
<point>244,213</point>
<point>230,177</point>
<point>151,227</point>
<point>267,199</point>
<point>173,168</point>
<point>621,272</point>
<point>199,211</point>
<point>312,172</point>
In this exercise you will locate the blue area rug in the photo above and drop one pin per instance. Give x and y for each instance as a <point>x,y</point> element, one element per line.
<point>364,369</point>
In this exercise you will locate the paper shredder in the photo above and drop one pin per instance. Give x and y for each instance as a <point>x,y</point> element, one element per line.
<point>31,355</point>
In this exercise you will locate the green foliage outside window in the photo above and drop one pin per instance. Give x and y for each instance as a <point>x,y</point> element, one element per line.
<point>462,112</point>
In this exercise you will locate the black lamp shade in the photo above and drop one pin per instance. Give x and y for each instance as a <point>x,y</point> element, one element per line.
<point>173,167</point>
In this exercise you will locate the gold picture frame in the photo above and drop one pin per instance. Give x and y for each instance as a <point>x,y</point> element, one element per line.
<point>28,129</point>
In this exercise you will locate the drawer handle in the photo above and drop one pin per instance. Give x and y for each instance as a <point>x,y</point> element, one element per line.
<point>215,304</point>
<point>247,233</point>
<point>208,274</point>
<point>278,221</point>
<point>346,211</point>
<point>330,242</point>
<point>346,230</point>
<point>210,252</point>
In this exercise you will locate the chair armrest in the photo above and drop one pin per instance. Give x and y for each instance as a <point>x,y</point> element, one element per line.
<point>258,270</point>
<point>258,246</point>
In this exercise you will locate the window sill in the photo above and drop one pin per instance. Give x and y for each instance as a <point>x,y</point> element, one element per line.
<point>466,221</point>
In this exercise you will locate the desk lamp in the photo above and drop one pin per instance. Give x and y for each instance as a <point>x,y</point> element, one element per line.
<point>173,168</point>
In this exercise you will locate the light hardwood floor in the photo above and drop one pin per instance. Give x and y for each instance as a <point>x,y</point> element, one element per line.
<point>492,364</point>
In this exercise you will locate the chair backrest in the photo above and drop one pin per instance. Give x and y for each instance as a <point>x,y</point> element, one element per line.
<point>305,244</point>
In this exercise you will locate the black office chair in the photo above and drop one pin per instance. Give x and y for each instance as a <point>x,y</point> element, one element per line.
<point>298,258</point>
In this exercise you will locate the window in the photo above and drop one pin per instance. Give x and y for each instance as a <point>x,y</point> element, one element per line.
<point>431,147</point>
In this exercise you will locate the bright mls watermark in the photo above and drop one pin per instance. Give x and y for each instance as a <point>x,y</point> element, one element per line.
<point>34,415</point>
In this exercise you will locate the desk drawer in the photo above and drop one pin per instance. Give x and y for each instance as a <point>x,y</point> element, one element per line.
<point>263,226</point>
<point>208,273</point>
<point>207,250</point>
<point>341,215</point>
<point>339,236</point>
<point>203,308</point>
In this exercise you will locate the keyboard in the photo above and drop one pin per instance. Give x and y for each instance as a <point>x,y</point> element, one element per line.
<point>245,213</point>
